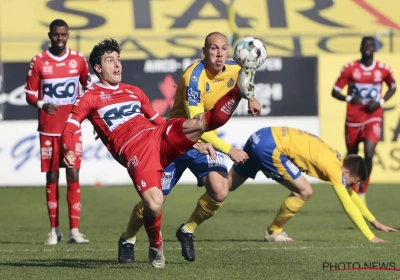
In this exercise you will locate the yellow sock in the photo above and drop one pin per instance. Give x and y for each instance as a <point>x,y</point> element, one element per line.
<point>135,222</point>
<point>205,209</point>
<point>289,207</point>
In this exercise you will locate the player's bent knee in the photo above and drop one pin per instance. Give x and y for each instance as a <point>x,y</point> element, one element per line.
<point>152,201</point>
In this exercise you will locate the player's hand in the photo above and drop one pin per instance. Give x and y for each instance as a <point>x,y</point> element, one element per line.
<point>237,155</point>
<point>372,106</point>
<point>357,100</point>
<point>96,136</point>
<point>50,108</point>
<point>377,240</point>
<point>69,159</point>
<point>254,107</point>
<point>382,227</point>
<point>205,149</point>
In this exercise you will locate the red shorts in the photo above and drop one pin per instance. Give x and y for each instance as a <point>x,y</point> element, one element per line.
<point>51,154</point>
<point>356,134</point>
<point>152,150</point>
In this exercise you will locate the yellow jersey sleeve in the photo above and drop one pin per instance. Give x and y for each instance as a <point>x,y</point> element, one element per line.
<point>360,205</point>
<point>194,88</point>
<point>352,211</point>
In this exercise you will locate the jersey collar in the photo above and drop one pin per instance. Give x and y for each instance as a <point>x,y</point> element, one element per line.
<point>58,58</point>
<point>108,86</point>
<point>369,68</point>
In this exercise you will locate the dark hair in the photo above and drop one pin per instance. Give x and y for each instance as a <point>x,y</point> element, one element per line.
<point>57,22</point>
<point>367,38</point>
<point>209,35</point>
<point>105,46</point>
<point>356,165</point>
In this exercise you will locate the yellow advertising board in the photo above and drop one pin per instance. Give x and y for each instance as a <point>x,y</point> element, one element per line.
<point>332,113</point>
<point>165,28</point>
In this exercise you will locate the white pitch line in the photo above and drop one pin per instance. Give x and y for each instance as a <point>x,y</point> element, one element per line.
<point>199,249</point>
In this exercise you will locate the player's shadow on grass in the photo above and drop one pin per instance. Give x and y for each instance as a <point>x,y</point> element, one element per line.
<point>71,263</point>
<point>22,243</point>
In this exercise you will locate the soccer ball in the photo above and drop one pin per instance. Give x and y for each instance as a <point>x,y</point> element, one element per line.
<point>250,45</point>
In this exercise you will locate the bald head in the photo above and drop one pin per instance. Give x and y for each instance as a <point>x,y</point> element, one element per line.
<point>213,35</point>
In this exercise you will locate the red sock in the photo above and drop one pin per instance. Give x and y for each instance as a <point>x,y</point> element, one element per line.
<point>153,229</point>
<point>364,186</point>
<point>223,109</point>
<point>52,203</point>
<point>74,204</point>
<point>355,187</point>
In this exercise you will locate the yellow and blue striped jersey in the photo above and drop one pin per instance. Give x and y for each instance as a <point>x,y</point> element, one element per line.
<point>198,87</point>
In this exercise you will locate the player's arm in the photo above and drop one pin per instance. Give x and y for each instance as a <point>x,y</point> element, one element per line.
<point>366,213</point>
<point>390,82</point>
<point>84,78</point>
<point>32,88</point>
<point>194,106</point>
<point>151,114</point>
<point>353,212</point>
<point>341,82</point>
<point>80,111</point>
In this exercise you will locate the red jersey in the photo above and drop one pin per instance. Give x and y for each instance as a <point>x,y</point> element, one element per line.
<point>118,114</point>
<point>56,80</point>
<point>365,82</point>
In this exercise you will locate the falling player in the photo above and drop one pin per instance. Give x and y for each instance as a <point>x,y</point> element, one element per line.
<point>282,153</point>
<point>365,102</point>
<point>52,86</point>
<point>137,137</point>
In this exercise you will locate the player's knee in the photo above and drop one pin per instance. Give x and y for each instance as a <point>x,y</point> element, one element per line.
<point>72,175</point>
<point>199,122</point>
<point>52,177</point>
<point>218,191</point>
<point>152,202</point>
<point>306,194</point>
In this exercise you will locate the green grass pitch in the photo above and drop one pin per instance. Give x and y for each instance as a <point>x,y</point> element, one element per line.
<point>229,246</point>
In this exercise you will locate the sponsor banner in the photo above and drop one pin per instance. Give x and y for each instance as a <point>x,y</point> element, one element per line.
<point>176,28</point>
<point>333,112</point>
<point>20,152</point>
<point>284,86</point>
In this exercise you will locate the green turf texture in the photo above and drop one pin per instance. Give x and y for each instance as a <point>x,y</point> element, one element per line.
<point>229,246</point>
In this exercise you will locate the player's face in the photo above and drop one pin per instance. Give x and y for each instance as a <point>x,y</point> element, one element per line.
<point>350,179</point>
<point>110,70</point>
<point>368,48</point>
<point>215,53</point>
<point>58,37</point>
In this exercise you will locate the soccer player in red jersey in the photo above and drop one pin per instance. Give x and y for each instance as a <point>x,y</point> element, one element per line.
<point>52,86</point>
<point>137,136</point>
<point>365,102</point>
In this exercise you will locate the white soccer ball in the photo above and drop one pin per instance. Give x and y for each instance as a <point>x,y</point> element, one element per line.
<point>250,45</point>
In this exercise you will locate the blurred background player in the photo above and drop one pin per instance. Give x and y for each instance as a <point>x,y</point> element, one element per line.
<point>138,137</point>
<point>200,87</point>
<point>52,85</point>
<point>365,102</point>
<point>282,153</point>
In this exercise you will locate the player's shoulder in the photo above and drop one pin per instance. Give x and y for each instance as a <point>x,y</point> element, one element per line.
<point>132,89</point>
<point>383,66</point>
<point>351,65</point>
<point>193,72</point>
<point>39,57</point>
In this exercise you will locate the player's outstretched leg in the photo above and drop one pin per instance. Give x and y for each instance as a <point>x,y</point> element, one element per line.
<point>245,81</point>
<point>186,240</point>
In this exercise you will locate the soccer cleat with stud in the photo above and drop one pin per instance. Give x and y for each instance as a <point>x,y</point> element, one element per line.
<point>277,237</point>
<point>186,240</point>
<point>125,251</point>
<point>245,81</point>
<point>156,257</point>
<point>78,238</point>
